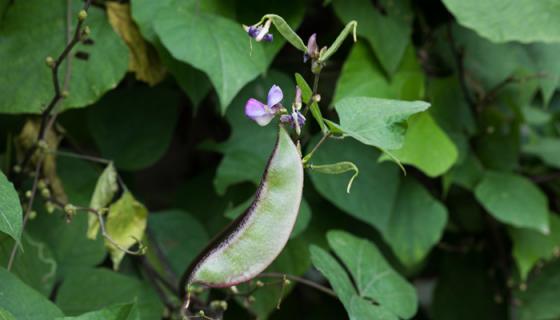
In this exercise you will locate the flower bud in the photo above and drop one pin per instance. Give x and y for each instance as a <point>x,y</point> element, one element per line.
<point>82,15</point>
<point>297,102</point>
<point>32,215</point>
<point>50,61</point>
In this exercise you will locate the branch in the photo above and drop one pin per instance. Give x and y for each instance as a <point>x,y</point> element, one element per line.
<point>46,120</point>
<point>297,279</point>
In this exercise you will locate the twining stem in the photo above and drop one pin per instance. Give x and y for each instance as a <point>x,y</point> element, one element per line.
<point>102,226</point>
<point>297,279</point>
<point>80,156</point>
<point>313,93</point>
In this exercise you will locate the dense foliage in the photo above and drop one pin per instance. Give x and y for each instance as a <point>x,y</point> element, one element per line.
<point>132,132</point>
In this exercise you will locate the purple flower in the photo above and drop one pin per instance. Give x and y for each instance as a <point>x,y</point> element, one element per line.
<point>312,48</point>
<point>262,113</point>
<point>259,33</point>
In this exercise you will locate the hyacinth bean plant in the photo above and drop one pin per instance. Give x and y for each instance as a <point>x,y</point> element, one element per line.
<point>339,159</point>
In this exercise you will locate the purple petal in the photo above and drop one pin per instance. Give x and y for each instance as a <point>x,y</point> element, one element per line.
<point>267,37</point>
<point>257,111</point>
<point>275,96</point>
<point>298,98</point>
<point>286,118</point>
<point>312,45</point>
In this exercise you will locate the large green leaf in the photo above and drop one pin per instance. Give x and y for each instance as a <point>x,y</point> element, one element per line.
<point>11,218</point>
<point>426,146</point>
<point>388,33</point>
<point>530,246</point>
<point>514,200</point>
<point>499,20</point>
<point>357,307</point>
<point>117,312</point>
<point>374,278</point>
<point>106,288</point>
<point>133,127</point>
<point>416,223</point>
<point>217,46</point>
<point>35,29</point>
<point>408,217</point>
<point>34,264</point>
<point>362,75</point>
<point>540,300</point>
<point>23,302</point>
<point>377,122</point>
<point>249,146</point>
<point>179,236</point>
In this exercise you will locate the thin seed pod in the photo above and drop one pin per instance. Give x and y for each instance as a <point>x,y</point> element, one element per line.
<point>250,244</point>
<point>286,31</point>
<point>350,27</point>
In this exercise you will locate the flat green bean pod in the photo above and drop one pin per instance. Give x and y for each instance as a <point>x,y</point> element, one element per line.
<point>250,244</point>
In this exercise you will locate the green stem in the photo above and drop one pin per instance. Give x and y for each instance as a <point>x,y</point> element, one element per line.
<point>310,154</point>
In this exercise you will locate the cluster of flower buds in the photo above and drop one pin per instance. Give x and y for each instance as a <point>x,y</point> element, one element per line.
<point>263,113</point>
<point>259,32</point>
<point>313,53</point>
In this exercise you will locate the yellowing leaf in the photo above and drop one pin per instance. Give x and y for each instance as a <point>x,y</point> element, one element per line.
<point>105,190</point>
<point>143,60</point>
<point>26,140</point>
<point>126,223</point>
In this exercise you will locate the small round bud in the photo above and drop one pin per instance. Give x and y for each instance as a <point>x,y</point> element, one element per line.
<point>234,290</point>
<point>219,305</point>
<point>223,305</point>
<point>259,284</point>
<point>250,299</point>
<point>70,209</point>
<point>65,94</point>
<point>17,169</point>
<point>49,206</point>
<point>82,15</point>
<point>49,61</point>
<point>42,144</point>
<point>87,31</point>
<point>287,282</point>
<point>28,194</point>
<point>41,184</point>
<point>523,286</point>
<point>32,215</point>
<point>317,98</point>
<point>45,193</point>
<point>201,313</point>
